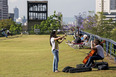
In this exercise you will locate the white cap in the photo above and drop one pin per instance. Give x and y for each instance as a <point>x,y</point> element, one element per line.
<point>84,35</point>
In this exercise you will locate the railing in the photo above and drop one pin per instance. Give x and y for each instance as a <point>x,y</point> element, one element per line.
<point>109,45</point>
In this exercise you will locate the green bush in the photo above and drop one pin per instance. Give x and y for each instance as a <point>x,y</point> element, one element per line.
<point>114,34</point>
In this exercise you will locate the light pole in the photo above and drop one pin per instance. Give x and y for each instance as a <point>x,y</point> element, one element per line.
<point>77,26</point>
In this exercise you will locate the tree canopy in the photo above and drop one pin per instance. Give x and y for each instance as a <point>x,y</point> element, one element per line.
<point>98,25</point>
<point>10,25</point>
<point>53,22</point>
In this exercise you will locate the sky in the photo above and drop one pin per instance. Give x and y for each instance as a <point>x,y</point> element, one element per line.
<point>68,8</point>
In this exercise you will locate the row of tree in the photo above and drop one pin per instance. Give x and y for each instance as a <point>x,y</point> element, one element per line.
<point>53,22</point>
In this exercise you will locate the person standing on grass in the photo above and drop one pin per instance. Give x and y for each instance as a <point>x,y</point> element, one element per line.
<point>54,41</point>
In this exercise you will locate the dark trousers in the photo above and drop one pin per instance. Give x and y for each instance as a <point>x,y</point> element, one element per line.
<point>91,60</point>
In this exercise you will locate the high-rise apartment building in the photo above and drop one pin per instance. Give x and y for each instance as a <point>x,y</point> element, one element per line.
<point>3,9</point>
<point>108,7</point>
<point>102,6</point>
<point>16,13</point>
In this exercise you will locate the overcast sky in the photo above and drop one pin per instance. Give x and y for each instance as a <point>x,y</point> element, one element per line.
<point>68,8</point>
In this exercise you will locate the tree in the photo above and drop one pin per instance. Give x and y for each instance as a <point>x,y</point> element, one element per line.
<point>53,22</point>
<point>6,23</point>
<point>114,34</point>
<point>15,29</point>
<point>98,25</point>
<point>10,25</point>
<point>12,29</point>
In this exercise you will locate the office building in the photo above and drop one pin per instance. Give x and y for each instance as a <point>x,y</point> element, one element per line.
<point>3,9</point>
<point>16,13</point>
<point>37,11</point>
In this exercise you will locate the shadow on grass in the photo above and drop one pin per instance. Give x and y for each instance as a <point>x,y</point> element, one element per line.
<point>11,37</point>
<point>112,68</point>
<point>14,37</point>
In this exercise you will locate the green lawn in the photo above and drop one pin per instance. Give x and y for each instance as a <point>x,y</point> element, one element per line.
<point>31,56</point>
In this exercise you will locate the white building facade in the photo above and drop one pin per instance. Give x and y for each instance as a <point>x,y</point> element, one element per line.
<point>3,9</point>
<point>108,7</point>
<point>21,20</point>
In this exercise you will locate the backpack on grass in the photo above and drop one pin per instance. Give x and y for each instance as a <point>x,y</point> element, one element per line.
<point>103,67</point>
<point>80,65</point>
<point>69,69</point>
<point>81,69</point>
<point>66,69</point>
<point>100,63</point>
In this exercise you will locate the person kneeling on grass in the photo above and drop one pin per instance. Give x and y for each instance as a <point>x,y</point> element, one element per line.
<point>54,41</point>
<point>99,53</point>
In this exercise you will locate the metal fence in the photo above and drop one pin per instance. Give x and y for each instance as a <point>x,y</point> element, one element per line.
<point>109,45</point>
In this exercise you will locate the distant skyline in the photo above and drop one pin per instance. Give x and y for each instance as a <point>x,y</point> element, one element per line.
<point>68,8</point>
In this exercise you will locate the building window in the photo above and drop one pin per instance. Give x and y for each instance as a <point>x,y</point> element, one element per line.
<point>112,4</point>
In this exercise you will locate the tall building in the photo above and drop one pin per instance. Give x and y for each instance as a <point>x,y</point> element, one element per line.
<point>108,7</point>
<point>16,13</point>
<point>3,9</point>
<point>37,11</point>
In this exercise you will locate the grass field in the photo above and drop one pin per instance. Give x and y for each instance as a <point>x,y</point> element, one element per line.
<point>31,56</point>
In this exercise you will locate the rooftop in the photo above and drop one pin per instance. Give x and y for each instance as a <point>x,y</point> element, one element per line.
<point>37,1</point>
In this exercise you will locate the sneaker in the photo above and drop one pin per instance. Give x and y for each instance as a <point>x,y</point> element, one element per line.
<point>56,71</point>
